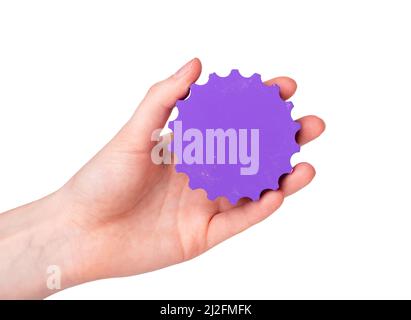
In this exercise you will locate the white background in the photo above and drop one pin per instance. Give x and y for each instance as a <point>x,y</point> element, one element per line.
<point>72,72</point>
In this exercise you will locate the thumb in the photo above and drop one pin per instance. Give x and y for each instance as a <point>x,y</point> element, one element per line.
<point>154,110</point>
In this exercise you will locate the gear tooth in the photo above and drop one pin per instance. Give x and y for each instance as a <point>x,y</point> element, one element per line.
<point>213,76</point>
<point>211,196</point>
<point>234,72</point>
<point>276,90</point>
<point>289,105</point>
<point>255,196</point>
<point>178,118</point>
<point>274,185</point>
<point>193,185</point>
<point>295,129</point>
<point>296,125</point>
<point>180,103</point>
<point>233,199</point>
<point>256,77</point>
<point>194,87</point>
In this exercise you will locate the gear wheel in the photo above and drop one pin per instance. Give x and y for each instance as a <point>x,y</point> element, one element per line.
<point>236,102</point>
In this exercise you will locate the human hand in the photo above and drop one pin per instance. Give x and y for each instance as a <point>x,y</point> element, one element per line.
<point>146,215</point>
<point>125,215</point>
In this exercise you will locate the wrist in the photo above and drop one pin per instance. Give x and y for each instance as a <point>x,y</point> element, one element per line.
<point>41,249</point>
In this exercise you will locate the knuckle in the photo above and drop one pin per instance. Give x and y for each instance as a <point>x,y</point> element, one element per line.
<point>154,88</point>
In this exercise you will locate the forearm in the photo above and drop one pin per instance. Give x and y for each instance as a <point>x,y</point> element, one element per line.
<point>37,246</point>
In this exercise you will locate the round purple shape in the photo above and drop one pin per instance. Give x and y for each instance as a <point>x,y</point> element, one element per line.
<point>236,102</point>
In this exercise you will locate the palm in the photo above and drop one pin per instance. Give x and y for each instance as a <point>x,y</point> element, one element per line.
<point>144,202</point>
<point>147,214</point>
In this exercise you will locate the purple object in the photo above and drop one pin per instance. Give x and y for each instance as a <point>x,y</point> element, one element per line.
<point>234,136</point>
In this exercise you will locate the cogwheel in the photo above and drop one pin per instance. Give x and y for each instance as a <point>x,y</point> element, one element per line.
<point>215,136</point>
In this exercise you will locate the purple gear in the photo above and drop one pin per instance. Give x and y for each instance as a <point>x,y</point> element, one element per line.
<point>239,103</point>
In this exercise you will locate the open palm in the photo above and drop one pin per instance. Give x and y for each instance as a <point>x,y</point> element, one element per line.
<point>142,216</point>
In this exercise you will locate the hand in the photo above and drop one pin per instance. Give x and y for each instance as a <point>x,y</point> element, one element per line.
<point>125,215</point>
<point>146,215</point>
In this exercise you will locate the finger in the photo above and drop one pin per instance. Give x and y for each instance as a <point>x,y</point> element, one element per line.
<point>226,224</point>
<point>311,128</point>
<point>156,107</point>
<point>287,86</point>
<point>302,174</point>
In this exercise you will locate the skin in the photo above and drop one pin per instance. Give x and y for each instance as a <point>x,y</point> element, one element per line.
<point>122,215</point>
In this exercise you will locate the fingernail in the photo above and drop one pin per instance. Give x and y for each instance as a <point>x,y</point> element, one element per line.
<point>184,69</point>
